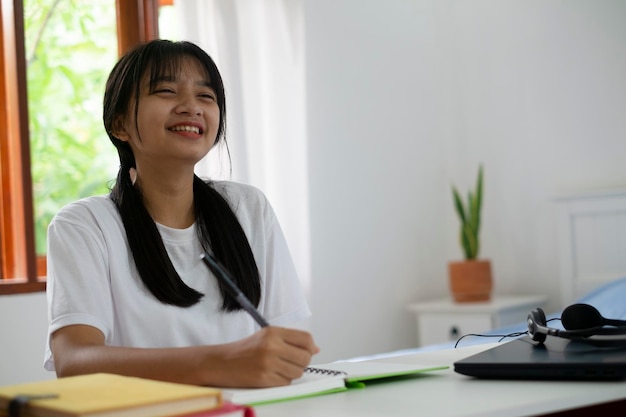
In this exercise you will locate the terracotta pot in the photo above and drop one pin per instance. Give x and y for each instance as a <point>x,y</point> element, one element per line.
<point>470,281</point>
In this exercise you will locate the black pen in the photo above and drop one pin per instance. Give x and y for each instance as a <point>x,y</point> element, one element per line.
<point>222,275</point>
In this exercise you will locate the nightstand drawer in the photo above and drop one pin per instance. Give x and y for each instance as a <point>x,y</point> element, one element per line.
<point>443,320</point>
<point>442,327</point>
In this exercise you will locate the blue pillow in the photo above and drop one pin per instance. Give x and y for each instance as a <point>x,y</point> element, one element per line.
<point>609,299</point>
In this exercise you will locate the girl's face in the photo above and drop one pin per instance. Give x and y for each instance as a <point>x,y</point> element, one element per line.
<point>177,119</point>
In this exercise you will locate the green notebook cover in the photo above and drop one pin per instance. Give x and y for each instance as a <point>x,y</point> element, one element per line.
<point>326,379</point>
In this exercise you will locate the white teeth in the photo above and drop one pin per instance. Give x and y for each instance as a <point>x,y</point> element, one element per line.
<point>183,128</point>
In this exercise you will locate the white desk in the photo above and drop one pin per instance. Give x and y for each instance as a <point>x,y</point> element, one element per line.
<point>446,394</point>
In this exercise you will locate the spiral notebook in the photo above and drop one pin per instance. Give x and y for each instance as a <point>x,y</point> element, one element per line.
<point>325,379</point>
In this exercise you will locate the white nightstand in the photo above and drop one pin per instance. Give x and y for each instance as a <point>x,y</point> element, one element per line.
<point>441,321</point>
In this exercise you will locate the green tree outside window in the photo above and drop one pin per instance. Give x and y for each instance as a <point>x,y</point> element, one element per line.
<point>71,45</point>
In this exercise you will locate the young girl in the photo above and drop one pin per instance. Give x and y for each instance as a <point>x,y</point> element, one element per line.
<point>127,290</point>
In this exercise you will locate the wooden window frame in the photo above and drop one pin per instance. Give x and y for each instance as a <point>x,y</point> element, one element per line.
<point>21,270</point>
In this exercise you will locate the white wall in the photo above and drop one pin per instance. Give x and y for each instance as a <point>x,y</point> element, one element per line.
<point>403,98</point>
<point>23,323</point>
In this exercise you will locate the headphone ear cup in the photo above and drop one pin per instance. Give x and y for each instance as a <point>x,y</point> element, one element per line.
<point>581,317</point>
<point>536,319</point>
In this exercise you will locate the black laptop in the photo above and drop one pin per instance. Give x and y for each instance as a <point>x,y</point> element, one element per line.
<point>557,358</point>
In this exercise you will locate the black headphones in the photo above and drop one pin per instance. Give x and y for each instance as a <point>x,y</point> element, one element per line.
<point>581,322</point>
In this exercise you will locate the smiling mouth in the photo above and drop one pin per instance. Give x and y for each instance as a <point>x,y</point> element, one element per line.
<point>185,128</point>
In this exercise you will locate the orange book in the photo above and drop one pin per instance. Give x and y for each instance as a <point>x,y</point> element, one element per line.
<point>106,395</point>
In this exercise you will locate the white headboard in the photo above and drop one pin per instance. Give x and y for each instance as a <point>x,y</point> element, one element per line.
<point>592,241</point>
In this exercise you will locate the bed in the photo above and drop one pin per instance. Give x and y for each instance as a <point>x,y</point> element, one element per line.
<point>591,231</point>
<point>592,261</point>
<point>592,243</point>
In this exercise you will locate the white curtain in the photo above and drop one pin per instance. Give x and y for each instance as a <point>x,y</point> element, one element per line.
<point>259,47</point>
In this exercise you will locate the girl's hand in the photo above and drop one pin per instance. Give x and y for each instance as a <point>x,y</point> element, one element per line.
<point>271,357</point>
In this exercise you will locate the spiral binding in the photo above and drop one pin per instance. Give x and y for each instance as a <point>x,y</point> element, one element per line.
<point>321,371</point>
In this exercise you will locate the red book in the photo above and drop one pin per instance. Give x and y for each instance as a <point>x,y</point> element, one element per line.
<point>227,409</point>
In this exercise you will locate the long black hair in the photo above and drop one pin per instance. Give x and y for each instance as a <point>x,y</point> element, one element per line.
<point>217,226</point>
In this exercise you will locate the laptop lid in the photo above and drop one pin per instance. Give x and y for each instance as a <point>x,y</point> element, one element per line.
<point>557,358</point>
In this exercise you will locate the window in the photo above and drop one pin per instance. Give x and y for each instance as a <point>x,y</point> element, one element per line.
<point>22,269</point>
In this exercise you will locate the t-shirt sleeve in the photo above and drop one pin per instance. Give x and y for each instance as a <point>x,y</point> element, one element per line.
<point>78,288</point>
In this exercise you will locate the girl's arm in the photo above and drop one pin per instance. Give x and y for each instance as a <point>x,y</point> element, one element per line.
<point>272,356</point>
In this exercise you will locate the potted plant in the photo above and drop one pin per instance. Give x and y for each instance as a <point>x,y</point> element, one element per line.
<point>470,279</point>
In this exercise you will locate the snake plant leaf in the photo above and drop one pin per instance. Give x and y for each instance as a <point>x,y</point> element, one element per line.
<point>470,217</point>
<point>470,242</point>
<point>479,200</point>
<point>458,204</point>
<point>465,243</point>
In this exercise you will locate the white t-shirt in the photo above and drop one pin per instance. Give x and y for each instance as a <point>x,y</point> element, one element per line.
<point>92,278</point>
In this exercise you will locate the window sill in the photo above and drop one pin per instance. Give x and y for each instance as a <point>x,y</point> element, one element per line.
<point>21,286</point>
